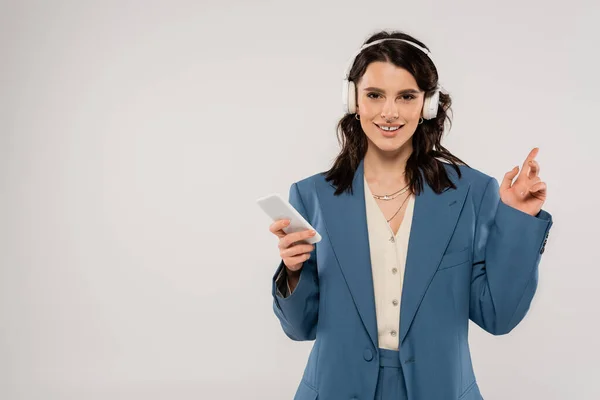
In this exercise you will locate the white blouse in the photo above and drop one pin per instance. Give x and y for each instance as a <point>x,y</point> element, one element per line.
<point>388,261</point>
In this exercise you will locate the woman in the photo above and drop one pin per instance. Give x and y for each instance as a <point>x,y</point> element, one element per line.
<point>413,247</point>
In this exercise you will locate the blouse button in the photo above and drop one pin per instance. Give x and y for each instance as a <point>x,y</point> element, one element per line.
<point>394,270</point>
<point>393,333</point>
<point>392,239</point>
<point>395,302</point>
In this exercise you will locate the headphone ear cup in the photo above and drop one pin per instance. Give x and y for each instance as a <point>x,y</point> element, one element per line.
<point>349,97</point>
<point>430,105</point>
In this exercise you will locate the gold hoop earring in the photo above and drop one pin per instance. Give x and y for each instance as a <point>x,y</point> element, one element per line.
<point>420,120</point>
<point>357,117</point>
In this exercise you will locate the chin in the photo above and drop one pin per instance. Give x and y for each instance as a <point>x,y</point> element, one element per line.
<point>390,146</point>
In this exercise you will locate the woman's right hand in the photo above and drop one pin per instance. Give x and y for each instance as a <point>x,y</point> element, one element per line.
<point>292,253</point>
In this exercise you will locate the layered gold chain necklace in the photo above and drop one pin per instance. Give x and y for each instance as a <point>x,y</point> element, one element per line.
<point>392,196</point>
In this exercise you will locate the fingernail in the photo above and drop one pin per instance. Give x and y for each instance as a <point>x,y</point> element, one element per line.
<point>312,232</point>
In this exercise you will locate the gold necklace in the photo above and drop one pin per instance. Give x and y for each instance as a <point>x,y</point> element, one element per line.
<point>388,220</point>
<point>393,195</point>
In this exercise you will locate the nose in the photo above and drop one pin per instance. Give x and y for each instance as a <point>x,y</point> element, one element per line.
<point>389,111</point>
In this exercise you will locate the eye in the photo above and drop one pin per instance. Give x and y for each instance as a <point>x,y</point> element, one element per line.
<point>408,97</point>
<point>369,95</point>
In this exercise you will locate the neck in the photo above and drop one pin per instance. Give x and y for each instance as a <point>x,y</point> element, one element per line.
<point>386,170</point>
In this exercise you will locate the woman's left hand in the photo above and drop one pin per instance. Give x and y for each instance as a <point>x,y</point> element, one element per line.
<point>528,192</point>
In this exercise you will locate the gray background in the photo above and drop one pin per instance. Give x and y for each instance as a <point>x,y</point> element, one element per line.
<point>136,136</point>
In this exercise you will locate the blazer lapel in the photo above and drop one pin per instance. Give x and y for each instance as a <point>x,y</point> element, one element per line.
<point>346,223</point>
<point>434,219</point>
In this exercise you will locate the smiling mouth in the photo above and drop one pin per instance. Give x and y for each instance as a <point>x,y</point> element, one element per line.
<point>389,128</point>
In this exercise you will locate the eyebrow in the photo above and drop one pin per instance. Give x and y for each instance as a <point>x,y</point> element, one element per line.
<point>405,91</point>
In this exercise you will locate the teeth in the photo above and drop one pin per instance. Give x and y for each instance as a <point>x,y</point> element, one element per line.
<point>389,128</point>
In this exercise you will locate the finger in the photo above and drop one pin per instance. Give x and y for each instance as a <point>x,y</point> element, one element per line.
<point>277,227</point>
<point>297,250</point>
<point>525,168</point>
<point>279,224</point>
<point>294,238</point>
<point>288,240</point>
<point>532,154</point>
<point>296,261</point>
<point>534,169</point>
<point>508,178</point>
<point>539,188</point>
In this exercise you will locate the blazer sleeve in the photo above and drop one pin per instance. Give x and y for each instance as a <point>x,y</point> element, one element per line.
<point>507,250</point>
<point>298,311</point>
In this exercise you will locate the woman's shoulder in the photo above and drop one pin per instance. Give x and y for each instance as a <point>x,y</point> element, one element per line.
<point>308,182</point>
<point>469,175</point>
<point>477,180</point>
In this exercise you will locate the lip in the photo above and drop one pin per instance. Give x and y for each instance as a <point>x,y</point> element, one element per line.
<point>388,133</point>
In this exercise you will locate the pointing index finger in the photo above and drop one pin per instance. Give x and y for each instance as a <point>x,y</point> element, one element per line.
<point>532,154</point>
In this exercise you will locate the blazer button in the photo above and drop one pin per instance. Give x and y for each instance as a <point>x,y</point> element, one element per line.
<point>368,355</point>
<point>543,246</point>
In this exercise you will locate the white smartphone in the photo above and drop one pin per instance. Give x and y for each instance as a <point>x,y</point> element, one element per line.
<point>277,207</point>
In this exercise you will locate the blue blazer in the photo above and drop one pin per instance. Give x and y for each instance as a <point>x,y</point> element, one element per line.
<point>470,257</point>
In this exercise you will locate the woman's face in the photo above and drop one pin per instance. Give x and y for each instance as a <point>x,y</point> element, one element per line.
<point>388,97</point>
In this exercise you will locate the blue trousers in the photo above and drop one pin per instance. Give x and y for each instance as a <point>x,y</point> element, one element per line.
<point>390,385</point>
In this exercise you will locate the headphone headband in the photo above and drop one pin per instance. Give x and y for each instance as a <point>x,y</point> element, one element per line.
<point>349,67</point>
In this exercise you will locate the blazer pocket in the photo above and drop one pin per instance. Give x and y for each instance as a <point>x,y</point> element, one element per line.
<point>455,258</point>
<point>305,392</point>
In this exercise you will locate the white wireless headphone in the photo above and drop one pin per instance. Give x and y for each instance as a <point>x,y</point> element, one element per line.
<point>430,105</point>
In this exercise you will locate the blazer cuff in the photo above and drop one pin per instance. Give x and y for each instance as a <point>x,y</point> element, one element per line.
<point>509,218</point>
